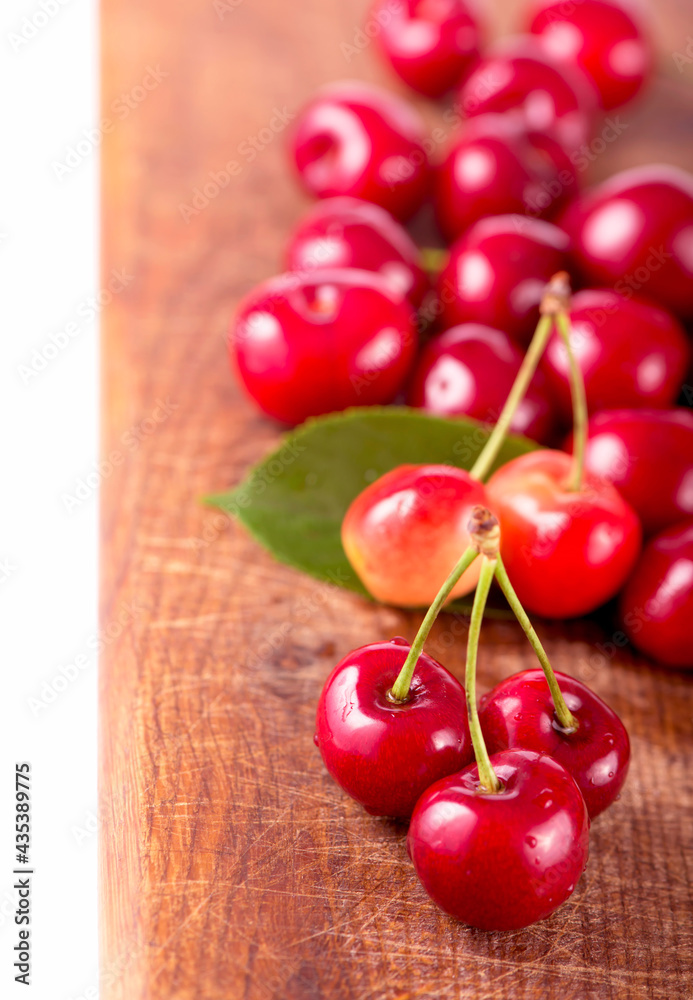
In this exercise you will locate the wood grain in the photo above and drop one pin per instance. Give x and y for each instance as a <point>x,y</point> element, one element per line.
<point>231,865</point>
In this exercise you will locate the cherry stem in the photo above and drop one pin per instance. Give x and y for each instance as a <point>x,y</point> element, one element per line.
<point>400,689</point>
<point>577,390</point>
<point>566,719</point>
<point>487,776</point>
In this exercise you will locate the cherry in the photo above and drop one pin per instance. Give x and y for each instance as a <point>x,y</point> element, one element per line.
<point>405,531</point>
<point>567,550</point>
<point>656,605</point>
<point>518,73</point>
<point>431,44</point>
<point>603,38</point>
<point>347,232</point>
<point>501,860</point>
<point>309,344</point>
<point>497,272</point>
<point>648,456</point>
<point>382,752</point>
<point>470,369</point>
<point>356,139</point>
<point>630,353</point>
<point>496,166</point>
<point>634,232</point>
<point>519,712</point>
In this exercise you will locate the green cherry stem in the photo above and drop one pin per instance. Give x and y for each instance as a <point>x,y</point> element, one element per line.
<point>566,719</point>
<point>577,390</point>
<point>487,776</point>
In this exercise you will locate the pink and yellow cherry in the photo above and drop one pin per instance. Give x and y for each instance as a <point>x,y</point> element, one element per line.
<point>501,860</point>
<point>430,44</point>
<point>648,456</point>
<point>497,272</point>
<point>359,140</point>
<point>405,532</point>
<point>306,344</point>
<point>566,551</point>
<point>519,712</point>
<point>385,753</point>
<point>469,370</point>
<point>518,74</point>
<point>349,232</point>
<point>495,167</point>
<point>634,233</point>
<point>656,606</point>
<point>605,40</point>
<point>631,353</point>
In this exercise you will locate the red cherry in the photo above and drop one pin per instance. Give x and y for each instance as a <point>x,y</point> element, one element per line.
<point>469,370</point>
<point>310,344</point>
<point>517,73</point>
<point>519,712</point>
<point>385,754</point>
<point>431,44</point>
<point>630,352</point>
<point>566,552</point>
<point>406,531</point>
<point>347,232</point>
<point>657,603</point>
<point>497,272</point>
<point>495,167</point>
<point>502,860</point>
<point>356,139</point>
<point>603,38</point>
<point>634,232</point>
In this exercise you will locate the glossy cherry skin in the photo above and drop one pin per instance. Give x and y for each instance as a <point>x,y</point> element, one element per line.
<point>656,605</point>
<point>495,167</point>
<point>517,73</point>
<point>630,352</point>
<point>519,713</point>
<point>501,861</point>
<point>383,754</point>
<point>307,344</point>
<point>497,272</point>
<point>565,552</point>
<point>469,371</point>
<point>430,44</point>
<point>634,233</point>
<point>348,232</point>
<point>404,534</point>
<point>603,38</point>
<point>648,456</point>
<point>358,140</point>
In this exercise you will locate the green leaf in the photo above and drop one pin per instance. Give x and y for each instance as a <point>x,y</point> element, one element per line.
<point>294,501</point>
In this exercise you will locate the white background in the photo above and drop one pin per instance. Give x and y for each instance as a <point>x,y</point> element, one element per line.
<point>49,430</point>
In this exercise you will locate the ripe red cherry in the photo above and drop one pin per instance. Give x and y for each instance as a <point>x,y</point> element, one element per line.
<point>648,456</point>
<point>356,139</point>
<point>406,531</point>
<point>566,552</point>
<point>519,712</point>
<point>310,344</point>
<point>497,272</point>
<point>495,167</point>
<point>347,232</point>
<point>503,860</point>
<point>630,352</point>
<point>385,754</point>
<point>603,38</point>
<point>634,232</point>
<point>469,370</point>
<point>517,73</point>
<point>656,605</point>
<point>431,44</point>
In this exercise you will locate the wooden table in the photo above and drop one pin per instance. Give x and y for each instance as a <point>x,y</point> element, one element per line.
<point>231,865</point>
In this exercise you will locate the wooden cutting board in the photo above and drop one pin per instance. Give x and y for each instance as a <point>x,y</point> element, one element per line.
<point>231,865</point>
